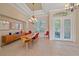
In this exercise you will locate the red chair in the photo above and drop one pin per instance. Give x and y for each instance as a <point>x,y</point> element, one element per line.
<point>29,32</point>
<point>35,36</point>
<point>47,34</point>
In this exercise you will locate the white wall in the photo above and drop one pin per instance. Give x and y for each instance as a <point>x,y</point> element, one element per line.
<point>77,26</point>
<point>8,10</point>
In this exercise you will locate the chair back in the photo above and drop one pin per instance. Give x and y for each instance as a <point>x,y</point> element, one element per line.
<point>47,33</point>
<point>30,31</point>
<point>35,36</point>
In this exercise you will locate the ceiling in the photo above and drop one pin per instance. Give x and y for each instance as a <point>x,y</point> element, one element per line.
<point>39,8</point>
<point>35,6</point>
<point>52,6</point>
<point>49,6</point>
<point>44,7</point>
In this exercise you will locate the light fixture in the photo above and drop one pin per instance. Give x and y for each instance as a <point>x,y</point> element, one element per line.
<point>33,19</point>
<point>71,6</point>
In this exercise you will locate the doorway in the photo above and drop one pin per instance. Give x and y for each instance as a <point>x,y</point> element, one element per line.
<point>62,27</point>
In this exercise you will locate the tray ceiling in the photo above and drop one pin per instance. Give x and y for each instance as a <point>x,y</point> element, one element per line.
<point>36,6</point>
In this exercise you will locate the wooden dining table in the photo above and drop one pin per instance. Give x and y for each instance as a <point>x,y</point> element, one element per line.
<point>26,39</point>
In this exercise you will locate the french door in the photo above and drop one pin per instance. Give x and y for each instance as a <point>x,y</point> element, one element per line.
<point>63,28</point>
<point>57,28</point>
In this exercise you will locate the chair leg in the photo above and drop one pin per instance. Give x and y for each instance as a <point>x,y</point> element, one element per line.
<point>46,37</point>
<point>30,44</point>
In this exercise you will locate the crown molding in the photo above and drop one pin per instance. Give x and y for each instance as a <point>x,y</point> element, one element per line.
<point>26,11</point>
<point>21,7</point>
<point>38,12</point>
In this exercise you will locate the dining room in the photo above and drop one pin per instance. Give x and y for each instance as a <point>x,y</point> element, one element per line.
<point>39,29</point>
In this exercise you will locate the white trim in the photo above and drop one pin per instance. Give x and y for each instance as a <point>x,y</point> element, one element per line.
<point>51,29</point>
<point>39,12</point>
<point>26,11</point>
<point>23,9</point>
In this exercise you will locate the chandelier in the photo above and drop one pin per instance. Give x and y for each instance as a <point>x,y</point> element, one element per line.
<point>33,19</point>
<point>71,6</point>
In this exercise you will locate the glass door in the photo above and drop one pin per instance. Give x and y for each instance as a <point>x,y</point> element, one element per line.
<point>57,28</point>
<point>67,28</point>
<point>62,28</point>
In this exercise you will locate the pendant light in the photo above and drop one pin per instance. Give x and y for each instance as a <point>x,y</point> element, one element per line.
<point>33,19</point>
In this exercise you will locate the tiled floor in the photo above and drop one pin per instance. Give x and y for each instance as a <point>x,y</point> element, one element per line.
<point>41,48</point>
